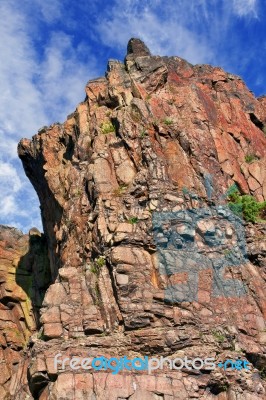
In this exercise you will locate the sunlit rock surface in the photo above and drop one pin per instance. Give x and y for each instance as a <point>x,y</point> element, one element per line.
<point>145,257</point>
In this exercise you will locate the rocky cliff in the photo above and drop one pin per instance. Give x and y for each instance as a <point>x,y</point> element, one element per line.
<point>146,257</point>
<point>24,279</point>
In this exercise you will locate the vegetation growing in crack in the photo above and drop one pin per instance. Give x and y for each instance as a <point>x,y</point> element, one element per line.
<point>133,220</point>
<point>218,336</point>
<point>228,252</point>
<point>118,192</point>
<point>98,299</point>
<point>41,335</point>
<point>249,158</point>
<point>96,268</point>
<point>168,121</point>
<point>97,265</point>
<point>143,133</point>
<point>107,127</point>
<point>246,206</point>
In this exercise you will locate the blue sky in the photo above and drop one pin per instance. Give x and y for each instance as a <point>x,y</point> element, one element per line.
<point>50,49</point>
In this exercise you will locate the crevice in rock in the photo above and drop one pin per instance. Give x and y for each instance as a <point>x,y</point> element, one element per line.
<point>256,121</point>
<point>257,360</point>
<point>33,273</point>
<point>237,140</point>
<point>217,387</point>
<point>69,144</point>
<point>115,294</point>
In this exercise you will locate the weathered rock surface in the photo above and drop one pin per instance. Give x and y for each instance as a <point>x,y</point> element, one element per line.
<point>133,198</point>
<point>24,278</point>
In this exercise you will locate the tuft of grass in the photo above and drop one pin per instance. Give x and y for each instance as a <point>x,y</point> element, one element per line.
<point>227,252</point>
<point>185,191</point>
<point>97,294</point>
<point>218,336</point>
<point>168,121</point>
<point>40,335</point>
<point>249,158</point>
<point>107,127</point>
<point>132,220</point>
<point>143,133</point>
<point>118,192</point>
<point>78,192</point>
<point>97,265</point>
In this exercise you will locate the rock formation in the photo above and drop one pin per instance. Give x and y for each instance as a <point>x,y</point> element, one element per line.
<point>146,258</point>
<point>24,279</point>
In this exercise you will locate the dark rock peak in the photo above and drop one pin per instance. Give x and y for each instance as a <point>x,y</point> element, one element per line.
<point>138,48</point>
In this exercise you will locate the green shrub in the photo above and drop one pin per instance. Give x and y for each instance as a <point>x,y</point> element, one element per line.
<point>249,158</point>
<point>246,206</point>
<point>97,265</point>
<point>133,220</point>
<point>168,121</point>
<point>107,127</point>
<point>143,133</point>
<point>218,336</point>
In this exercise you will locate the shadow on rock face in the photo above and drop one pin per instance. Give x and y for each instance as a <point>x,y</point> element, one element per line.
<point>33,274</point>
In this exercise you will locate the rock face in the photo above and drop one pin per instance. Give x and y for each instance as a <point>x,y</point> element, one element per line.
<point>24,278</point>
<point>146,259</point>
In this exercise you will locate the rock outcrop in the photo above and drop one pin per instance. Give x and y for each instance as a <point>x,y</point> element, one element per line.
<point>146,258</point>
<point>24,278</point>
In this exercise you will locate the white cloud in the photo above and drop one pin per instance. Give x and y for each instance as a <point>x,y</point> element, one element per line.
<point>164,33</point>
<point>244,8</point>
<point>63,75</point>
<point>8,146</point>
<point>51,9</point>
<point>38,87</point>
<point>8,205</point>
<point>193,30</point>
<point>9,179</point>
<point>19,95</point>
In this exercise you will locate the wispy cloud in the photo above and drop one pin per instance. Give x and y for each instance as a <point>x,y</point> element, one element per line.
<point>165,32</point>
<point>193,30</point>
<point>39,85</point>
<point>244,8</point>
<point>51,10</point>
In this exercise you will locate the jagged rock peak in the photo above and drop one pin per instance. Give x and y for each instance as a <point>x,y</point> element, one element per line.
<point>137,47</point>
<point>142,247</point>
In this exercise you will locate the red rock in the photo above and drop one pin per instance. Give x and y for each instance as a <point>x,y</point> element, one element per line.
<point>156,135</point>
